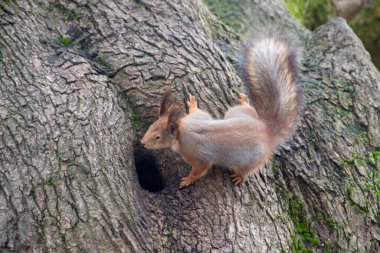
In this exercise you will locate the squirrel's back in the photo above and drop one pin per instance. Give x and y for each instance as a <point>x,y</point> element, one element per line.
<point>269,69</point>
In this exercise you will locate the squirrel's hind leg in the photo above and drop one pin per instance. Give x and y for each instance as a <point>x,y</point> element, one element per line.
<point>237,179</point>
<point>239,175</point>
<point>243,99</point>
<point>195,112</point>
<point>196,173</point>
<point>241,110</point>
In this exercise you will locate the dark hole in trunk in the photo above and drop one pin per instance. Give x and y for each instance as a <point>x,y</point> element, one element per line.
<point>148,172</point>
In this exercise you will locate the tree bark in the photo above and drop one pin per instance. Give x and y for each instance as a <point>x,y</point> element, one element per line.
<point>80,83</point>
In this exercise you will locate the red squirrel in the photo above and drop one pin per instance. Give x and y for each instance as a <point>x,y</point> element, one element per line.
<point>248,135</point>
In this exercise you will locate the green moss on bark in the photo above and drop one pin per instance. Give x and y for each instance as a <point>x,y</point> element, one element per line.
<point>363,193</point>
<point>305,237</point>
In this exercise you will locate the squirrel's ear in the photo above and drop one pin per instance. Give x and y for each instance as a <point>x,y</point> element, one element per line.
<point>167,101</point>
<point>173,128</point>
<point>175,114</point>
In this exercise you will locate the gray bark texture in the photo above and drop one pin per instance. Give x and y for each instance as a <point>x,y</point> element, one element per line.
<point>80,82</point>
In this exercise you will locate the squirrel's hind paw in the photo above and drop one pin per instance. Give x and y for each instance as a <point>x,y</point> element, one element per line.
<point>237,179</point>
<point>243,99</point>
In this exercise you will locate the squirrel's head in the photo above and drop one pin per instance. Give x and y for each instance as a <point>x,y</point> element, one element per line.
<point>163,133</point>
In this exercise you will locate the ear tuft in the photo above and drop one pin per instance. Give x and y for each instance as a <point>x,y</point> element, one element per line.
<point>167,101</point>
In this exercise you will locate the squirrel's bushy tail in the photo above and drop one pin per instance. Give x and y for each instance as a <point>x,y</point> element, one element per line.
<point>269,69</point>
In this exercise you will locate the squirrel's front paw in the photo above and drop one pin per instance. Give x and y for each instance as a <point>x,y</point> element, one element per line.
<point>186,181</point>
<point>192,103</point>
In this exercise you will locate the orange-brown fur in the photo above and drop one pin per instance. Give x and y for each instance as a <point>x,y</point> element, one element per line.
<point>246,138</point>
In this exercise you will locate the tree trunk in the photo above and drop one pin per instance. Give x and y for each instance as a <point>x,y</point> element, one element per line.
<point>80,83</point>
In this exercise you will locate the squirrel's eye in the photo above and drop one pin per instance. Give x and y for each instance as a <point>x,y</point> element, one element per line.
<point>158,137</point>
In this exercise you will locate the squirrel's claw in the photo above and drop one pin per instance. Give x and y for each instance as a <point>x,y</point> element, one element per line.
<point>236,179</point>
<point>186,181</point>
